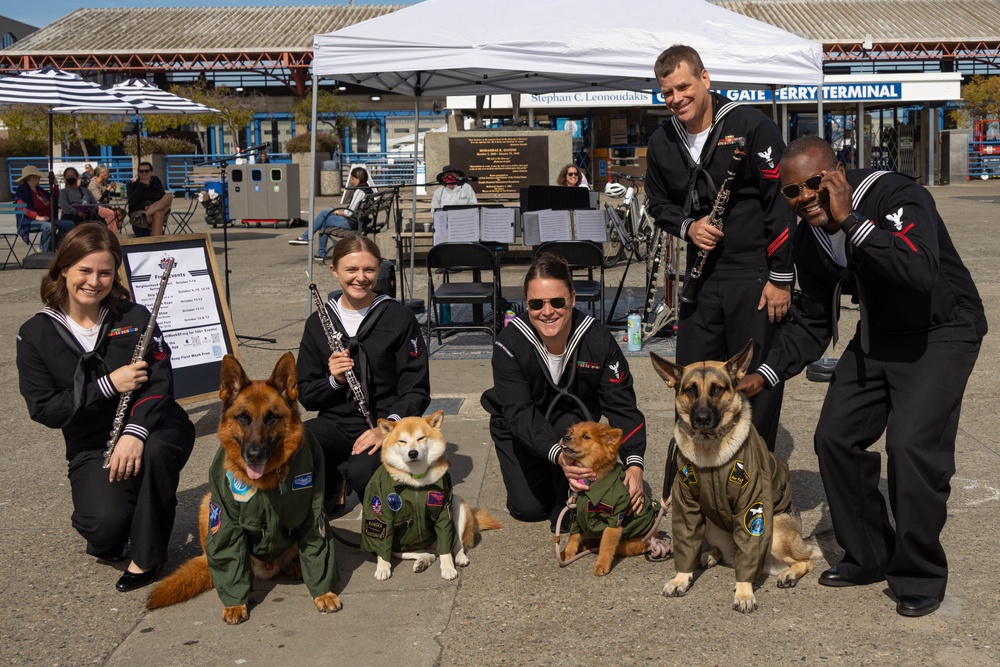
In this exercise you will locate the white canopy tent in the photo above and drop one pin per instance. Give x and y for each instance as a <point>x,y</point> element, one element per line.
<point>545,46</point>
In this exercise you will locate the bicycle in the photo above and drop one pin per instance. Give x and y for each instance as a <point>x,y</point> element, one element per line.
<point>630,230</point>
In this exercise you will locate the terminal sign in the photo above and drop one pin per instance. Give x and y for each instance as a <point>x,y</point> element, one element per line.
<point>849,92</point>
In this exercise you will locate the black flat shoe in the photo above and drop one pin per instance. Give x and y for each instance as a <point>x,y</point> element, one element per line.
<point>832,578</point>
<point>114,555</point>
<point>130,581</point>
<point>917,605</point>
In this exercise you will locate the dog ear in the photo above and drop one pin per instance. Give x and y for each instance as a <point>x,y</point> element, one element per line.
<point>612,437</point>
<point>232,379</point>
<point>670,372</point>
<point>386,426</point>
<point>436,419</point>
<point>738,365</point>
<point>284,379</point>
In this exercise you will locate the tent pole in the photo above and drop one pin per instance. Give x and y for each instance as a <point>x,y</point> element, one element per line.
<point>413,220</point>
<point>312,180</point>
<point>52,187</point>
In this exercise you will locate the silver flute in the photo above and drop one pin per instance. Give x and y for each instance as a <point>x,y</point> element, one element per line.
<point>138,355</point>
<point>333,339</point>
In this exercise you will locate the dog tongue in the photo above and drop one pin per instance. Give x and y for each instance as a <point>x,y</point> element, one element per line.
<point>255,471</point>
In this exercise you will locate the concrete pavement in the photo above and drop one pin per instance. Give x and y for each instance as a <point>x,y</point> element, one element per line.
<point>512,605</point>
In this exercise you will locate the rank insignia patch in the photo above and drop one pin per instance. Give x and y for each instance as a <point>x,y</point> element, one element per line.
<point>753,519</point>
<point>687,475</point>
<point>376,529</point>
<point>739,475</point>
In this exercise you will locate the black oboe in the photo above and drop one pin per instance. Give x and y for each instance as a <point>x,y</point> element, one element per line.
<point>333,339</point>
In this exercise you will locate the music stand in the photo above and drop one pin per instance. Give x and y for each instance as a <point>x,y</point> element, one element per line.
<point>223,162</point>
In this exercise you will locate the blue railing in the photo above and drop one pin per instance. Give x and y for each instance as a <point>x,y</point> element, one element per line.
<point>180,168</point>
<point>984,160</point>
<point>120,167</point>
<point>383,168</point>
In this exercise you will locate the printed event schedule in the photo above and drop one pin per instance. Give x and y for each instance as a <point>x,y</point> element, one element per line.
<point>189,317</point>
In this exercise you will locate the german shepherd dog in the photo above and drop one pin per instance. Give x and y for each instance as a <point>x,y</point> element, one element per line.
<point>262,442</point>
<point>728,487</point>
<point>604,511</point>
<point>409,505</point>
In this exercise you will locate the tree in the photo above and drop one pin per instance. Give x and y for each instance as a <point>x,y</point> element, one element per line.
<point>331,111</point>
<point>236,111</point>
<point>31,123</point>
<point>980,99</point>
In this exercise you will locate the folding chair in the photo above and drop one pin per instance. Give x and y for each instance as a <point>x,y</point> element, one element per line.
<point>181,219</point>
<point>454,257</point>
<point>582,255</point>
<point>10,215</point>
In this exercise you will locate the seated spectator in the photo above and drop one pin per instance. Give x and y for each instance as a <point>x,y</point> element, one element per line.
<point>340,218</point>
<point>88,173</point>
<point>146,195</point>
<point>571,176</point>
<point>78,203</point>
<point>456,190</point>
<point>37,209</point>
<point>100,185</point>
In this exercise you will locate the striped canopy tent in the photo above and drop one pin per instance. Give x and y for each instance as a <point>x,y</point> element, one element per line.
<point>51,87</point>
<point>146,99</point>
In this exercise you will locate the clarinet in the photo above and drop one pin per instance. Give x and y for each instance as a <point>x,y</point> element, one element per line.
<point>690,292</point>
<point>138,355</point>
<point>333,339</point>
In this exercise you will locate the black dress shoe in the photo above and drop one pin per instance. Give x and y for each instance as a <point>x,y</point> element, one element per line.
<point>130,581</point>
<point>917,605</point>
<point>832,578</point>
<point>114,555</point>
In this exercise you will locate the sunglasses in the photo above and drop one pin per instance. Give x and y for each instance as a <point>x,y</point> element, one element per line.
<point>145,171</point>
<point>793,190</point>
<point>572,173</point>
<point>538,304</point>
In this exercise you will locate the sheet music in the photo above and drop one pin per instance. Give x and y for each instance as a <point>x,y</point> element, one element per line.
<point>554,226</point>
<point>497,224</point>
<point>463,225</point>
<point>440,227</point>
<point>590,226</point>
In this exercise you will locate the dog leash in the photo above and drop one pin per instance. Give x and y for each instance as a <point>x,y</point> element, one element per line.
<point>660,548</point>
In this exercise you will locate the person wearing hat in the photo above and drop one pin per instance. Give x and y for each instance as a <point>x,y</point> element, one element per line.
<point>456,191</point>
<point>37,209</point>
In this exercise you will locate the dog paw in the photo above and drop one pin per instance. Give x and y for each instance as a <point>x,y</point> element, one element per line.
<point>600,569</point>
<point>787,579</point>
<point>328,602</point>
<point>423,562</point>
<point>235,615</point>
<point>710,559</point>
<point>744,600</point>
<point>383,570</point>
<point>461,559</point>
<point>677,586</point>
<point>448,572</point>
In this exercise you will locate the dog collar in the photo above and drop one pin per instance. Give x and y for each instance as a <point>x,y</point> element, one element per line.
<point>419,476</point>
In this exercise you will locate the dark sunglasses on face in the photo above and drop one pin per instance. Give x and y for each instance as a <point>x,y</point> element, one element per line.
<point>793,190</point>
<point>145,171</point>
<point>572,173</point>
<point>538,304</point>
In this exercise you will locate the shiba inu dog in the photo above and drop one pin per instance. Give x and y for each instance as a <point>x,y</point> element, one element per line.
<point>266,500</point>
<point>409,504</point>
<point>729,488</point>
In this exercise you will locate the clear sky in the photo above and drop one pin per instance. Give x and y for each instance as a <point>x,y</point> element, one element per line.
<point>42,12</point>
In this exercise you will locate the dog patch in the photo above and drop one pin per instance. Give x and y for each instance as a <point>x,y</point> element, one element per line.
<point>753,519</point>
<point>599,508</point>
<point>214,517</point>
<point>242,492</point>
<point>394,502</point>
<point>376,506</point>
<point>739,475</point>
<point>688,476</point>
<point>435,498</point>
<point>376,529</point>
<point>303,481</point>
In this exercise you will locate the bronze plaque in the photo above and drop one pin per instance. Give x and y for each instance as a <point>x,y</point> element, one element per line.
<point>503,164</point>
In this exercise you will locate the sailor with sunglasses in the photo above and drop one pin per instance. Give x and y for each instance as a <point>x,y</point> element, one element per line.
<point>878,236</point>
<point>553,367</point>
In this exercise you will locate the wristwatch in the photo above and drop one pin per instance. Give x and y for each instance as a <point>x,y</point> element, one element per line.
<point>852,220</point>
